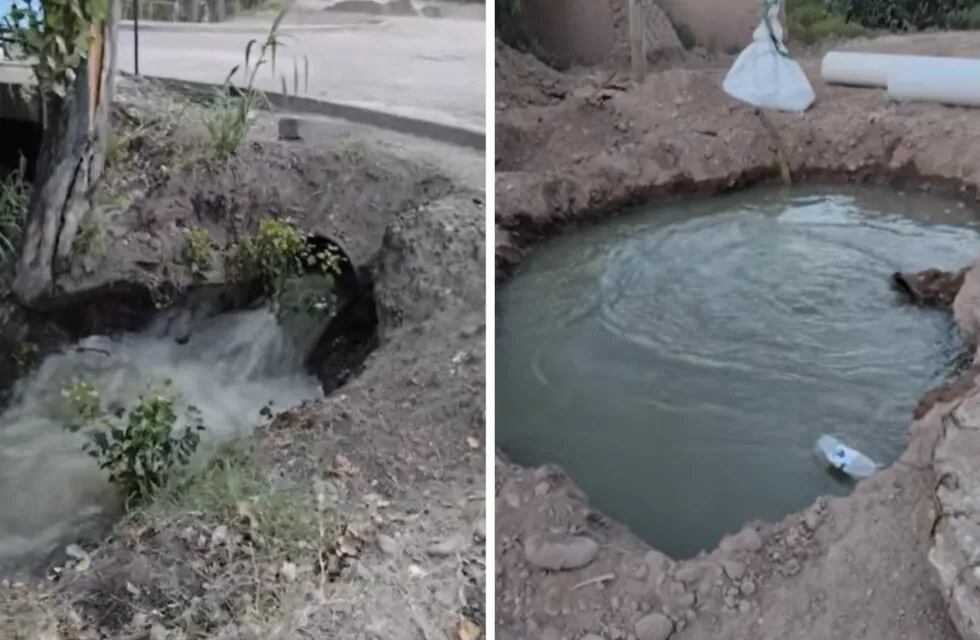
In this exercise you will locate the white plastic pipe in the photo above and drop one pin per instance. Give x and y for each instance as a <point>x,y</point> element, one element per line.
<point>950,85</point>
<point>876,69</point>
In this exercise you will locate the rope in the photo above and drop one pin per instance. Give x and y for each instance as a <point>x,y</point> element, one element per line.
<point>780,49</point>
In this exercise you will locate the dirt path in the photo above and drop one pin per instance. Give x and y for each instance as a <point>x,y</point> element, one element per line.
<point>575,148</point>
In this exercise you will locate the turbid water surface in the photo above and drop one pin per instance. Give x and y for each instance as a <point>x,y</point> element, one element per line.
<point>229,366</point>
<point>680,361</point>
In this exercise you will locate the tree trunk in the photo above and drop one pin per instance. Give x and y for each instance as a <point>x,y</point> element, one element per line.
<point>70,164</point>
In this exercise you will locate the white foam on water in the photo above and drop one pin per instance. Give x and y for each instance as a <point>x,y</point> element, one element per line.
<point>231,367</point>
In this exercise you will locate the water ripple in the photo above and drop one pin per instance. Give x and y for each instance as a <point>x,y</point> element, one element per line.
<point>714,341</point>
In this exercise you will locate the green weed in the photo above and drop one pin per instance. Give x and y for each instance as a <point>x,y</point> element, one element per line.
<point>14,200</point>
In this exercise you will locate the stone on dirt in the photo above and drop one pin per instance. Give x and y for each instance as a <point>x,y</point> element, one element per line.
<point>733,569</point>
<point>447,547</point>
<point>658,564</point>
<point>745,540</point>
<point>559,554</point>
<point>655,626</point>
<point>387,544</point>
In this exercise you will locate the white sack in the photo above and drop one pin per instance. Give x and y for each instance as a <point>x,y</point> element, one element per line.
<point>764,75</point>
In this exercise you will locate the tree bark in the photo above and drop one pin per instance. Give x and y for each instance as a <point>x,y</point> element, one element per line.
<point>70,164</point>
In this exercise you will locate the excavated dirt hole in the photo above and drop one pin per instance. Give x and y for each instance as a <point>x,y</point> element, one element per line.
<point>680,361</point>
<point>224,352</point>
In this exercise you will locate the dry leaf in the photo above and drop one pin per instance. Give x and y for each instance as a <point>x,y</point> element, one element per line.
<point>133,590</point>
<point>473,442</point>
<point>467,629</point>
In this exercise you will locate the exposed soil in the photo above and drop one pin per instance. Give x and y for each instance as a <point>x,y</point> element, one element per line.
<point>855,567</point>
<point>399,447</point>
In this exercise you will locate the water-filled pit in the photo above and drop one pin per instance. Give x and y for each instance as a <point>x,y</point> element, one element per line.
<point>679,361</point>
<point>229,365</point>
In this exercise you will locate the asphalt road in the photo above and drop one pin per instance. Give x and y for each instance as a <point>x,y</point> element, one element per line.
<point>426,68</point>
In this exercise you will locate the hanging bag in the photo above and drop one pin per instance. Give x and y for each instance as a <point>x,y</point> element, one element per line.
<point>764,75</point>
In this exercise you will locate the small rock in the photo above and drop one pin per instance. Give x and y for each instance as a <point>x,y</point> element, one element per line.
<point>811,520</point>
<point>387,544</point>
<point>480,529</point>
<point>744,606</point>
<point>550,633</point>
<point>541,489</point>
<point>287,572</point>
<point>658,563</point>
<point>513,500</point>
<point>219,536</point>
<point>640,571</point>
<point>573,552</point>
<point>592,636</point>
<point>733,569</point>
<point>748,587</point>
<point>655,626</point>
<point>746,540</point>
<point>447,547</point>
<point>158,632</point>
<point>690,573</point>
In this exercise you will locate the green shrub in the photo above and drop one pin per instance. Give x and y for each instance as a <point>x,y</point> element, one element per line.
<point>811,21</point>
<point>14,198</point>
<point>277,253</point>
<point>199,251</point>
<point>141,448</point>
<point>227,122</point>
<point>901,15</point>
<point>967,19</point>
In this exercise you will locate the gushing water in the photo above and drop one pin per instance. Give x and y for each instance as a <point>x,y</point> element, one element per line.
<point>229,366</point>
<point>681,361</point>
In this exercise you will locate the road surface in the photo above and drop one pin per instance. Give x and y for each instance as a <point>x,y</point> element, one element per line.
<point>429,68</point>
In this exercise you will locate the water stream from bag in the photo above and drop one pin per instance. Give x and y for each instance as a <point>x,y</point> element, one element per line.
<point>680,361</point>
<point>232,365</point>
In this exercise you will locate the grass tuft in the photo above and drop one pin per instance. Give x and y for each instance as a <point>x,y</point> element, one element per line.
<point>14,200</point>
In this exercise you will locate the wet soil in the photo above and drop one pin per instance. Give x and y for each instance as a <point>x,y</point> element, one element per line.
<point>854,567</point>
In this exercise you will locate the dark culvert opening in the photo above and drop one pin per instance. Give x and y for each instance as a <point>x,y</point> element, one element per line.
<point>21,146</point>
<point>680,361</point>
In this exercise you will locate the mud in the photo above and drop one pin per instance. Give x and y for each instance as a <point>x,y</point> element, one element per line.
<point>856,567</point>
<point>406,429</point>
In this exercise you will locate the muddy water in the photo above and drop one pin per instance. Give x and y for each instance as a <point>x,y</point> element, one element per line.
<point>229,366</point>
<point>680,361</point>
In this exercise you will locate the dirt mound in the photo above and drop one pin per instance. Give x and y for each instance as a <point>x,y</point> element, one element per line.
<point>523,80</point>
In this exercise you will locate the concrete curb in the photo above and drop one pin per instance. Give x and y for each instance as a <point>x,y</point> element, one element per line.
<point>230,27</point>
<point>450,134</point>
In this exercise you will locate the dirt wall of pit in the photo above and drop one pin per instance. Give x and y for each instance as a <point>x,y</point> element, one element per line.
<point>590,32</point>
<point>574,31</point>
<point>717,25</point>
<point>894,559</point>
